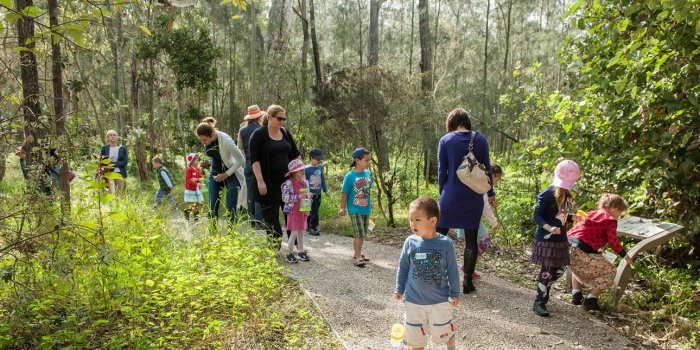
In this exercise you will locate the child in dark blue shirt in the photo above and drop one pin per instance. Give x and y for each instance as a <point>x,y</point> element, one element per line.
<point>317,183</point>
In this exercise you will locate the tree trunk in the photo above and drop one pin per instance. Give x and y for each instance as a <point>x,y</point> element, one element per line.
<point>301,12</point>
<point>98,119</point>
<point>278,33</point>
<point>138,144</point>
<point>31,109</point>
<point>115,46</point>
<point>437,29</point>
<point>232,79</point>
<point>315,48</point>
<point>359,28</point>
<point>426,68</point>
<point>373,39</point>
<point>508,27</point>
<point>251,75</point>
<point>486,52</point>
<point>59,117</point>
<point>410,51</point>
<point>150,108</point>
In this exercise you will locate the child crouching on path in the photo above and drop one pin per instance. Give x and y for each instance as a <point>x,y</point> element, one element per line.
<point>355,200</point>
<point>427,279</point>
<point>588,265</point>
<point>193,193</point>
<point>294,192</point>
<point>550,248</point>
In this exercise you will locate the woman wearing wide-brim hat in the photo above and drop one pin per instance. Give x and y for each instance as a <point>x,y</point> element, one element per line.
<point>252,120</point>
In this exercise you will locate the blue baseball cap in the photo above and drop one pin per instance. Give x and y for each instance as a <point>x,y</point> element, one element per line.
<point>359,152</point>
<point>316,153</point>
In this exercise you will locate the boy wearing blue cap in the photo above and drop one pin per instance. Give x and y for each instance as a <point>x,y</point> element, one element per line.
<point>317,183</point>
<point>355,200</point>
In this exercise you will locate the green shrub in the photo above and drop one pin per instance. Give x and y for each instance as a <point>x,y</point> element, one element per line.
<point>122,275</point>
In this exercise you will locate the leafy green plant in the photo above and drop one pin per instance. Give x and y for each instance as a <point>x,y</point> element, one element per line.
<point>121,275</point>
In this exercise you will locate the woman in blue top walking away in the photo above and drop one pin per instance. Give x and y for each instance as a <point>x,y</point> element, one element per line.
<point>460,206</point>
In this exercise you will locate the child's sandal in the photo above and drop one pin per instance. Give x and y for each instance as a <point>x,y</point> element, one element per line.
<point>359,262</point>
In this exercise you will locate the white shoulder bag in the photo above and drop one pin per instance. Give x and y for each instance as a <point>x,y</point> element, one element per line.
<point>472,173</point>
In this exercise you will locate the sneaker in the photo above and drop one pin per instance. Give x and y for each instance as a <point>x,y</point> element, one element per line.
<point>540,309</point>
<point>303,257</point>
<point>577,298</point>
<point>591,304</point>
<point>291,259</point>
<point>476,275</point>
<point>314,232</point>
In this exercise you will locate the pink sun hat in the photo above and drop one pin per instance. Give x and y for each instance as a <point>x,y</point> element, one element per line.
<point>566,174</point>
<point>295,165</point>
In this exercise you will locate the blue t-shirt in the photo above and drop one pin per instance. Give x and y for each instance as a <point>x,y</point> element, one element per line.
<point>428,272</point>
<point>357,185</point>
<point>317,182</point>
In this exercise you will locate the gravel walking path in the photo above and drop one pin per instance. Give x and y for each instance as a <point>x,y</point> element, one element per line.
<point>358,304</point>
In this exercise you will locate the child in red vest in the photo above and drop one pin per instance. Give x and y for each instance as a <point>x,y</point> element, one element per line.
<point>587,240</point>
<point>193,193</point>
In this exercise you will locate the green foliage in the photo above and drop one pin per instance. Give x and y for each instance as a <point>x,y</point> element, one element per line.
<point>191,55</point>
<point>120,275</point>
<point>668,296</point>
<point>629,117</point>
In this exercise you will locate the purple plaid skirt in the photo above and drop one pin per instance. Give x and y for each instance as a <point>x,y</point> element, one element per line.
<point>555,254</point>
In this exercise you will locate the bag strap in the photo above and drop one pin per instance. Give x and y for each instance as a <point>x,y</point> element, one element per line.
<point>471,140</point>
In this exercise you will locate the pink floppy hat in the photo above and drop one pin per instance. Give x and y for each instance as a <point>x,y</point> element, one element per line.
<point>566,174</point>
<point>295,165</point>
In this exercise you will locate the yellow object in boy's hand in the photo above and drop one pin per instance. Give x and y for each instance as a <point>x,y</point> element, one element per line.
<point>582,213</point>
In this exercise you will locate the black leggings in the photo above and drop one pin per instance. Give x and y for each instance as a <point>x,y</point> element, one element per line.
<point>470,250</point>
<point>545,279</point>
<point>271,216</point>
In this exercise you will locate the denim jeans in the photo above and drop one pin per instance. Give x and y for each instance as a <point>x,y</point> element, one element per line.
<point>313,215</point>
<point>162,192</point>
<point>254,208</point>
<point>231,186</point>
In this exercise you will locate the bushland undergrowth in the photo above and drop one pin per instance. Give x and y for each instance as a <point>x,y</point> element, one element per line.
<point>121,275</point>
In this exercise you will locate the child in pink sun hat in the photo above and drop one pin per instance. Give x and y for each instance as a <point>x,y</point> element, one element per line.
<point>550,249</point>
<point>295,193</point>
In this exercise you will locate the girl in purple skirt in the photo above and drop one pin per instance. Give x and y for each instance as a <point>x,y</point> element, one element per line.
<point>555,208</point>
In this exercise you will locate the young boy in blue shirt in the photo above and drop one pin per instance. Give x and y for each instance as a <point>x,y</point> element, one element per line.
<point>427,279</point>
<point>317,183</point>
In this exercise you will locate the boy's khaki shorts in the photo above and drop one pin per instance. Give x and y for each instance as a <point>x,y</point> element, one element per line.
<point>428,320</point>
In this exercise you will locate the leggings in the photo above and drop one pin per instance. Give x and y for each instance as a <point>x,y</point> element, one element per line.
<point>546,278</point>
<point>471,249</point>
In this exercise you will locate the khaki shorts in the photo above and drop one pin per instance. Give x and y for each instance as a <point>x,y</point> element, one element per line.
<point>428,320</point>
